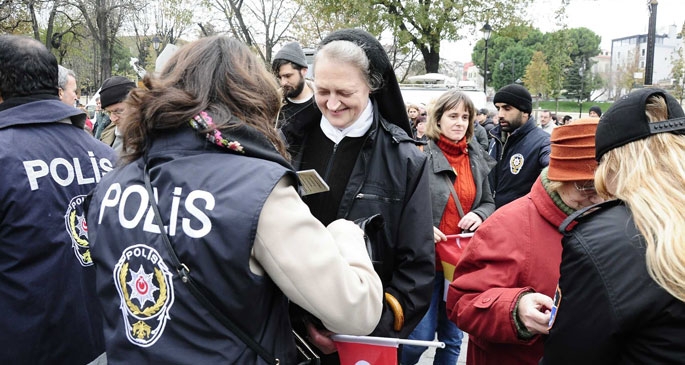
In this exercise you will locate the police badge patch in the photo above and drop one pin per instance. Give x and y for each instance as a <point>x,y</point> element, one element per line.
<point>77,228</point>
<point>146,289</point>
<point>515,163</point>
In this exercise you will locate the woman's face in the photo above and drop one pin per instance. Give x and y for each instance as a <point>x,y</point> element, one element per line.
<point>454,123</point>
<point>421,128</point>
<point>579,194</point>
<point>413,113</point>
<point>341,91</point>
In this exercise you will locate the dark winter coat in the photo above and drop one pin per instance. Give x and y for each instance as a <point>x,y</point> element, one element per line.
<point>611,311</point>
<point>390,177</point>
<point>520,159</point>
<point>47,282</point>
<point>480,163</point>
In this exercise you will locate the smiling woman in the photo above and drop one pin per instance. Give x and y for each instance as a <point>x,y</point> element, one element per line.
<point>342,91</point>
<point>362,147</point>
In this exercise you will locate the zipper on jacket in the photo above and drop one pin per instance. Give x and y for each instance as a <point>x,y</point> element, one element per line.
<point>329,165</point>
<point>377,197</point>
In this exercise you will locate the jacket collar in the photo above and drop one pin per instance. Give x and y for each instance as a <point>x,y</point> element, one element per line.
<point>520,131</point>
<point>40,111</point>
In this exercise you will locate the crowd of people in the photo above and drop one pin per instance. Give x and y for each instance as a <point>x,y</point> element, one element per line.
<point>224,212</point>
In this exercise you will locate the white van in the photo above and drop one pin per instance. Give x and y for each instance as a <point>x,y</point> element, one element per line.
<point>425,94</point>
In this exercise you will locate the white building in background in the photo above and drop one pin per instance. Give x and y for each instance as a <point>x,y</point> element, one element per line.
<point>601,66</point>
<point>630,53</point>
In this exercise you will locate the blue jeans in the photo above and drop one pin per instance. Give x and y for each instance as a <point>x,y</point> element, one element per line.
<point>435,320</point>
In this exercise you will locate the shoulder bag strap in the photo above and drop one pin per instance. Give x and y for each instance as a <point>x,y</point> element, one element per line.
<point>454,195</point>
<point>184,273</point>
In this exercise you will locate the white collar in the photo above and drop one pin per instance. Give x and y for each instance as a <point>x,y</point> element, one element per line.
<point>357,129</point>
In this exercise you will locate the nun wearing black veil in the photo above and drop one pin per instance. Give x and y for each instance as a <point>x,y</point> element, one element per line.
<point>362,147</point>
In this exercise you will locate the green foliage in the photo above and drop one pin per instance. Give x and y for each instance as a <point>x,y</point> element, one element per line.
<point>536,78</point>
<point>121,56</point>
<point>678,71</point>
<point>556,47</point>
<point>572,107</point>
<point>423,23</point>
<point>511,66</point>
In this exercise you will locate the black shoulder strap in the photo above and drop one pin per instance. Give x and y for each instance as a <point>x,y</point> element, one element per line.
<point>184,273</point>
<point>581,213</point>
<point>454,195</point>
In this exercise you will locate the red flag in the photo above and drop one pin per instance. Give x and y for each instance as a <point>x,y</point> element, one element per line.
<point>450,252</point>
<point>354,353</point>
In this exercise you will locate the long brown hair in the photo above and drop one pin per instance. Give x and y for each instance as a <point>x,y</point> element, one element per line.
<point>216,74</point>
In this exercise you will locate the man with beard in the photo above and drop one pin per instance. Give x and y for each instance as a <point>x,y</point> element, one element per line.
<point>519,147</point>
<point>290,68</point>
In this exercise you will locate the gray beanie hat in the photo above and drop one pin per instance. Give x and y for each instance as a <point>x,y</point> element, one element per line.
<point>293,53</point>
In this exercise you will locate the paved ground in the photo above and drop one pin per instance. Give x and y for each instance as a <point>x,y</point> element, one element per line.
<point>427,358</point>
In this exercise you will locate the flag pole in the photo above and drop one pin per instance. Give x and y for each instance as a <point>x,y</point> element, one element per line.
<point>386,341</point>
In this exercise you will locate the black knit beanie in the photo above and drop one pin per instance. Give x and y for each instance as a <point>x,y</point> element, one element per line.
<point>388,97</point>
<point>516,96</point>
<point>292,52</point>
<point>114,90</point>
<point>596,109</point>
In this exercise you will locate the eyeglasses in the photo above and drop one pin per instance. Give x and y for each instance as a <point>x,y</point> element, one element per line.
<point>117,112</point>
<point>588,188</point>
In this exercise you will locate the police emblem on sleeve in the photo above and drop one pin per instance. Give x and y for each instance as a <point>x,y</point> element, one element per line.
<point>77,228</point>
<point>515,163</point>
<point>146,289</point>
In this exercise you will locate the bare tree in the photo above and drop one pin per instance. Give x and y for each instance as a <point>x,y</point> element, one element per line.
<point>103,18</point>
<point>261,24</point>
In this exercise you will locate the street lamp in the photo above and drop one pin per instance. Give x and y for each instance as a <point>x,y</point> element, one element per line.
<point>156,42</point>
<point>487,31</point>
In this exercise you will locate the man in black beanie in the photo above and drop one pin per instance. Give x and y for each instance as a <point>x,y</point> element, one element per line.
<point>112,94</point>
<point>595,111</point>
<point>290,67</point>
<point>519,147</point>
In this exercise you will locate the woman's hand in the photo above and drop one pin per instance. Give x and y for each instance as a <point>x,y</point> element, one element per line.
<point>321,339</point>
<point>470,221</point>
<point>438,235</point>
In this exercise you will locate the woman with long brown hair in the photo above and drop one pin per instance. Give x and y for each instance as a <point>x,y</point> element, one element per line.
<point>205,179</point>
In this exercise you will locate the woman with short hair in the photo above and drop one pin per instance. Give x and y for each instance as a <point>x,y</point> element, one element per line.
<point>458,170</point>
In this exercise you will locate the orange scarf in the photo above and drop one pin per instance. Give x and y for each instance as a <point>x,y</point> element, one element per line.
<point>457,155</point>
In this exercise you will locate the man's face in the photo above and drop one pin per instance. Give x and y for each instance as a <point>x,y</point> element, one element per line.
<point>480,118</point>
<point>291,80</point>
<point>594,114</point>
<point>545,118</point>
<point>509,117</point>
<point>98,105</point>
<point>68,94</point>
<point>116,111</point>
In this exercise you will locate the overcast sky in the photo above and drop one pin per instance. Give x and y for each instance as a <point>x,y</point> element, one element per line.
<point>610,19</point>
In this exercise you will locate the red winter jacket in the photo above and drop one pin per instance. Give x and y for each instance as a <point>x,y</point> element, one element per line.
<point>517,249</point>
